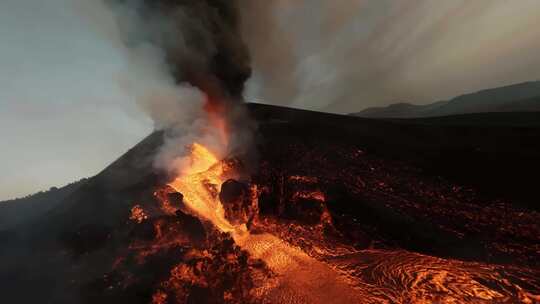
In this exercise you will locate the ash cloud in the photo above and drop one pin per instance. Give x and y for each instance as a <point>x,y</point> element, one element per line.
<point>201,40</point>
<point>343,56</point>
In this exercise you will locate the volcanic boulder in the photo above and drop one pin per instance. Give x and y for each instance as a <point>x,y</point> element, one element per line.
<point>176,199</point>
<point>307,210</point>
<point>236,201</point>
<point>191,225</point>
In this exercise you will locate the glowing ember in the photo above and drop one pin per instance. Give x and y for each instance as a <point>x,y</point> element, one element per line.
<point>159,298</point>
<point>163,197</point>
<point>313,195</point>
<point>137,214</point>
<point>304,179</point>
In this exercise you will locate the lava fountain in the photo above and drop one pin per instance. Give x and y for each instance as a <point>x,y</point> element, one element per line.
<point>200,185</point>
<point>203,172</point>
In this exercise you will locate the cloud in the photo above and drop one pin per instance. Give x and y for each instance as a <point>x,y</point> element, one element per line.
<point>343,56</point>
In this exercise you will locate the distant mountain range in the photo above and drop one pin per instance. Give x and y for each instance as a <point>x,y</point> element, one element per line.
<point>523,97</point>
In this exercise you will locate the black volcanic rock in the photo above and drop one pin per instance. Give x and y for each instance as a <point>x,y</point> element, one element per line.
<point>268,203</point>
<point>232,192</point>
<point>191,225</point>
<point>87,238</point>
<point>176,199</point>
<point>306,211</point>
<point>235,198</point>
<point>143,231</point>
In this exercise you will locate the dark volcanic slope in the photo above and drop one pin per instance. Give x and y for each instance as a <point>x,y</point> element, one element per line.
<point>496,153</point>
<point>16,211</point>
<point>423,166</point>
<point>397,193</point>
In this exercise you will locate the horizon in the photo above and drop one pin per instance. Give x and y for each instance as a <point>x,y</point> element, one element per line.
<point>77,179</point>
<point>4,198</point>
<point>7,198</point>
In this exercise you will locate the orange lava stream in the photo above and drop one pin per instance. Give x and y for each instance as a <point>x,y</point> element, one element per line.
<point>200,184</point>
<point>302,279</point>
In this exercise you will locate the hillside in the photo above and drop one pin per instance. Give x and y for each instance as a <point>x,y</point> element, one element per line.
<point>17,211</point>
<point>523,97</point>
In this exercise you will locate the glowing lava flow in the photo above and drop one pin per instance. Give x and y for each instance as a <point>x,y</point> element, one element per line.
<point>368,276</point>
<point>302,278</point>
<point>200,184</point>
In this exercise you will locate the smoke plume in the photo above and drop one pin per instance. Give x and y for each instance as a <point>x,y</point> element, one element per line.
<point>189,66</point>
<point>200,39</point>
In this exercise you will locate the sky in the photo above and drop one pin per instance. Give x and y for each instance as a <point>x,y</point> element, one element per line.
<point>65,112</point>
<point>345,55</point>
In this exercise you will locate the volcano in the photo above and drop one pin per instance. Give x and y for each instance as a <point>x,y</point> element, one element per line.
<point>338,209</point>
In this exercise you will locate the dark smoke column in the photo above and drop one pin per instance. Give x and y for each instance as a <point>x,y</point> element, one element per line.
<point>204,46</point>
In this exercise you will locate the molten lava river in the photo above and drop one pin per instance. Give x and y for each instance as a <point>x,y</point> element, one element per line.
<point>240,248</point>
